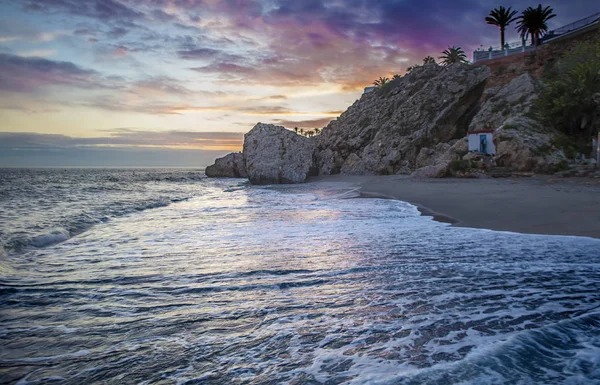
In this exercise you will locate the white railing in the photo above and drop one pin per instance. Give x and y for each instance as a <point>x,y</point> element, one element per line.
<point>512,49</point>
<point>521,46</point>
<point>575,25</point>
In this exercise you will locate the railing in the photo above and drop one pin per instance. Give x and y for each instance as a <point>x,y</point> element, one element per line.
<point>576,25</point>
<point>482,55</point>
<point>513,45</point>
<point>521,46</point>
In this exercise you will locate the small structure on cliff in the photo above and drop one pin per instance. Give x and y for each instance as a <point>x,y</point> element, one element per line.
<point>482,141</point>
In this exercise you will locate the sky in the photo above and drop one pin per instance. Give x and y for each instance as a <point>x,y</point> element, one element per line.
<point>178,82</point>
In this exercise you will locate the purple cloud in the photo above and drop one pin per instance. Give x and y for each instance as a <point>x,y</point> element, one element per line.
<point>29,74</point>
<point>99,9</point>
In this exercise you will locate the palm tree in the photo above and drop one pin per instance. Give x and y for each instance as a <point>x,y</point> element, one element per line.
<point>501,17</point>
<point>396,77</point>
<point>296,129</point>
<point>533,21</point>
<point>381,81</point>
<point>428,60</point>
<point>317,131</point>
<point>453,55</point>
<point>301,132</point>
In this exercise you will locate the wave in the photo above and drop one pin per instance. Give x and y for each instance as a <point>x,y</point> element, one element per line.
<point>564,352</point>
<point>75,225</point>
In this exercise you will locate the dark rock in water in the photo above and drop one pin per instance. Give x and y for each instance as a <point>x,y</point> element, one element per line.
<point>273,155</point>
<point>230,166</point>
<point>384,131</point>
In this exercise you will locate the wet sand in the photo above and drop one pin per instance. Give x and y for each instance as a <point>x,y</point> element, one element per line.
<point>538,205</point>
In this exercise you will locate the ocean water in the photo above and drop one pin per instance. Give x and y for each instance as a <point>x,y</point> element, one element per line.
<point>165,277</point>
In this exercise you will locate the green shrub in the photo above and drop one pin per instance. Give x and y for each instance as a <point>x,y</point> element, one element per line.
<point>543,150</point>
<point>460,165</point>
<point>563,165</point>
<point>566,102</point>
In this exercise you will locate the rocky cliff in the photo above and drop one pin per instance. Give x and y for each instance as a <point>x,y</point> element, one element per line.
<point>413,125</point>
<point>384,131</point>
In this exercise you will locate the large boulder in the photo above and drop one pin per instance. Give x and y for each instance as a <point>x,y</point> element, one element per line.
<point>435,163</point>
<point>387,129</point>
<point>523,145</point>
<point>230,166</point>
<point>353,166</point>
<point>274,154</point>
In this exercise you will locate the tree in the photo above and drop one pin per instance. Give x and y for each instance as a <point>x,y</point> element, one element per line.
<point>317,131</point>
<point>309,133</point>
<point>501,17</point>
<point>296,129</point>
<point>396,77</point>
<point>533,22</point>
<point>381,81</point>
<point>428,60</point>
<point>301,132</point>
<point>570,98</point>
<point>453,55</point>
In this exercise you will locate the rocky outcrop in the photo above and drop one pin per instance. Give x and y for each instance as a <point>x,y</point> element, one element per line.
<point>512,100</point>
<point>354,165</point>
<point>435,163</point>
<point>523,145</point>
<point>413,125</point>
<point>230,166</point>
<point>385,131</point>
<point>273,154</point>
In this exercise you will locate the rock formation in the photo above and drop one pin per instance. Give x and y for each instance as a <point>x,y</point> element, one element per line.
<point>384,131</point>
<point>273,154</point>
<point>413,125</point>
<point>521,142</point>
<point>230,166</point>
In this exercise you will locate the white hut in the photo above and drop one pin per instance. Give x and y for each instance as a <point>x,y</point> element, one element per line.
<point>482,141</point>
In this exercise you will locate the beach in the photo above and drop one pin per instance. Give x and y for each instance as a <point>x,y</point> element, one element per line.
<point>537,205</point>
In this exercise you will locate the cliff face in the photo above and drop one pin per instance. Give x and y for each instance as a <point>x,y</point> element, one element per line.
<point>384,131</point>
<point>414,125</point>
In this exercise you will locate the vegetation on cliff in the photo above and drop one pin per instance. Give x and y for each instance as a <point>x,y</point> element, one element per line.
<point>570,98</point>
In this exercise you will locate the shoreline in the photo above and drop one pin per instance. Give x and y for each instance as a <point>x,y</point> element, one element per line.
<point>543,205</point>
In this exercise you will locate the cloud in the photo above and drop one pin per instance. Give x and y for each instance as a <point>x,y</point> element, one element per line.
<point>37,53</point>
<point>30,36</point>
<point>99,9</point>
<point>126,137</point>
<point>25,74</point>
<point>199,53</point>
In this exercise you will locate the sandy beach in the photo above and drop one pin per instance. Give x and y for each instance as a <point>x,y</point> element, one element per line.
<point>538,205</point>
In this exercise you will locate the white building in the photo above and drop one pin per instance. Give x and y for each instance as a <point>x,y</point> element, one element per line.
<point>482,141</point>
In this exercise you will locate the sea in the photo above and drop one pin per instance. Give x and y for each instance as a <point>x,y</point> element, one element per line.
<point>162,276</point>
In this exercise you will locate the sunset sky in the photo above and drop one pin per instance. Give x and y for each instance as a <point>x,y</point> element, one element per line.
<point>178,82</point>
